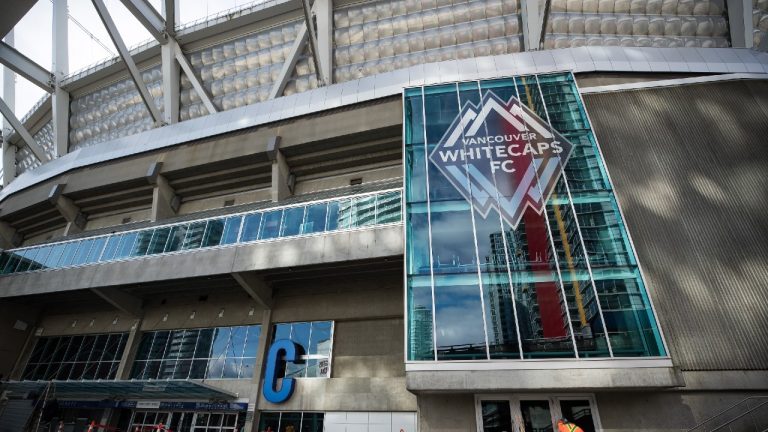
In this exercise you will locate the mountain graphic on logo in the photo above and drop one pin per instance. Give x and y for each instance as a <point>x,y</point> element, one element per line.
<point>501,155</point>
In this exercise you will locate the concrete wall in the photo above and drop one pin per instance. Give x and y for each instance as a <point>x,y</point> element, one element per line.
<point>16,325</point>
<point>447,413</point>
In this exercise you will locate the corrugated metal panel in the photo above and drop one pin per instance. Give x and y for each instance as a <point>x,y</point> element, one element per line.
<point>690,167</point>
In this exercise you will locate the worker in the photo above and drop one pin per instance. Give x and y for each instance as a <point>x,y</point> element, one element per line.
<point>564,425</point>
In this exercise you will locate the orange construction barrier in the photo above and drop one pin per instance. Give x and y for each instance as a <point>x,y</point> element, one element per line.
<point>566,426</point>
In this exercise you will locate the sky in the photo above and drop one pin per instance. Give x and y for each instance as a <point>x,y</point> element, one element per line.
<point>33,36</point>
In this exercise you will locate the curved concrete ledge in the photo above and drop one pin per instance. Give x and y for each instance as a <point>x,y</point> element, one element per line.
<point>338,247</point>
<point>566,379</point>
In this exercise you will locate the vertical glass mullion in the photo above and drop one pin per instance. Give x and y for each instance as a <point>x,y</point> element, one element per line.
<point>506,248</point>
<point>429,226</point>
<point>480,283</point>
<point>578,230</point>
<point>551,240</point>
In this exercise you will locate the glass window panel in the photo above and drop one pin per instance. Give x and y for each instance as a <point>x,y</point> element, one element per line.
<point>4,256</point>
<point>86,348</point>
<point>220,342</point>
<point>341,214</point>
<point>252,341</point>
<point>167,367</point>
<point>70,249</point>
<point>125,249</point>
<point>111,348</point>
<point>215,419</point>
<point>312,422</point>
<point>74,347</point>
<point>27,257</point>
<point>320,341</point>
<point>143,240</point>
<point>282,331</point>
<point>197,370</point>
<point>77,371</point>
<point>269,421</point>
<point>40,258</point>
<point>65,369</point>
<point>113,370</point>
<point>230,420</point>
<point>158,241</point>
<point>89,370</point>
<point>215,368</point>
<point>496,416</point>
<point>579,413</point>
<point>175,238</point>
<point>201,419</point>
<point>98,348</point>
<point>52,260</point>
<point>145,346</point>
<point>300,335</point>
<point>333,216</point>
<point>39,349</point>
<point>420,326</point>
<point>290,422</point>
<point>237,342</point>
<point>231,368</point>
<point>251,227</point>
<point>96,249</point>
<point>388,208</point>
<point>61,349</point>
<point>12,263</point>
<point>194,237</point>
<point>137,371</point>
<point>152,369</point>
<point>81,257</point>
<point>292,220</point>
<point>270,226</point>
<point>231,229</point>
<point>315,218</point>
<point>204,343</point>
<point>213,233</point>
<point>536,416</point>
<point>247,367</point>
<point>103,370</point>
<point>363,212</point>
<point>459,318</point>
<point>182,369</point>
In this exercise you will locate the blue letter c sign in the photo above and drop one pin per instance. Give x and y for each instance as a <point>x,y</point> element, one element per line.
<point>291,352</point>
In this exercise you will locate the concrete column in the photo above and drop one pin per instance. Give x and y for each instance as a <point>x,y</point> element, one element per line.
<point>740,22</point>
<point>255,395</point>
<point>60,68</point>
<point>165,202</point>
<point>68,209</point>
<point>324,18</point>
<point>533,20</point>
<point>171,83</point>
<point>131,348</point>
<point>9,96</point>
<point>9,237</point>
<point>281,173</point>
<point>26,352</point>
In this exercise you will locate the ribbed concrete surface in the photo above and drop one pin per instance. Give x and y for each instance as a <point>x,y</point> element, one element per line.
<point>690,166</point>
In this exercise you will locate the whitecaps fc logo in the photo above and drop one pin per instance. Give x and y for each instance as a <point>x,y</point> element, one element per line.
<point>502,155</point>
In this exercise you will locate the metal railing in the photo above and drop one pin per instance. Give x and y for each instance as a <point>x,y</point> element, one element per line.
<point>310,218</point>
<point>748,415</point>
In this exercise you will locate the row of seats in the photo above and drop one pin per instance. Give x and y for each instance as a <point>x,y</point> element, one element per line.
<point>636,25</point>
<point>641,7</point>
<point>553,42</point>
<point>505,45</point>
<point>431,39</point>
<point>432,10</point>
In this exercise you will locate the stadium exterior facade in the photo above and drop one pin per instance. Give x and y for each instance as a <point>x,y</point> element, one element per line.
<point>394,215</point>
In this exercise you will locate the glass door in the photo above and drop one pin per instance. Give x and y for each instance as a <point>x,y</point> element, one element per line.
<point>535,413</point>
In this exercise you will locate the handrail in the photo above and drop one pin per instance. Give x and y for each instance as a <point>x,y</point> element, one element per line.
<point>728,409</point>
<point>738,417</point>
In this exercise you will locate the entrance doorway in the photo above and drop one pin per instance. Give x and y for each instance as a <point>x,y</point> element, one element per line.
<point>184,421</point>
<point>535,413</point>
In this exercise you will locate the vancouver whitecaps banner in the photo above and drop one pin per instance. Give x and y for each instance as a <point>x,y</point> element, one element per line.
<point>502,155</point>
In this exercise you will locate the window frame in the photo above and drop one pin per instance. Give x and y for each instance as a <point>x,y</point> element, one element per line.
<point>305,356</point>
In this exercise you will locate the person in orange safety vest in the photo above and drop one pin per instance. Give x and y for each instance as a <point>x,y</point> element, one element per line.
<point>564,425</point>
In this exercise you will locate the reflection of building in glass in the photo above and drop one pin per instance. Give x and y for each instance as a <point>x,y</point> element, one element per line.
<point>420,334</point>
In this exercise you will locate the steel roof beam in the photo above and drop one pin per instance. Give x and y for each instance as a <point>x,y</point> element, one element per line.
<point>149,18</point>
<point>23,132</point>
<point>196,84</point>
<point>290,63</point>
<point>310,23</point>
<point>106,18</point>
<point>170,17</point>
<point>25,67</point>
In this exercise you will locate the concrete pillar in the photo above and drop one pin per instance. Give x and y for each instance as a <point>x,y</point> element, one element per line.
<point>131,348</point>
<point>9,96</point>
<point>255,395</point>
<point>9,237</point>
<point>165,202</point>
<point>282,186</point>
<point>324,18</point>
<point>68,209</point>
<point>60,68</point>
<point>171,83</point>
<point>740,22</point>
<point>533,20</point>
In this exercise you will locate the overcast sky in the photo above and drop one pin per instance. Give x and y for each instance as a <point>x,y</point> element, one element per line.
<point>33,36</point>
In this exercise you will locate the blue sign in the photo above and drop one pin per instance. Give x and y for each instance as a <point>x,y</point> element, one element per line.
<point>281,350</point>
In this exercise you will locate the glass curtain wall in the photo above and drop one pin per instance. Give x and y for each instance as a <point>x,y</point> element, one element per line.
<point>554,278</point>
